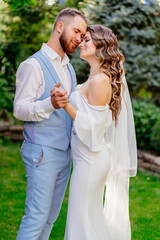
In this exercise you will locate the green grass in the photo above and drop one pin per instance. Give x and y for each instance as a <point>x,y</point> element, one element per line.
<point>144,200</point>
<point>145,206</point>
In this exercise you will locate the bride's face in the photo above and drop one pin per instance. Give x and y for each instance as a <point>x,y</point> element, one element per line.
<point>87,47</point>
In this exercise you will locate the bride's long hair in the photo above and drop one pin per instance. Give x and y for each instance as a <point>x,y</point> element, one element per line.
<point>111,63</point>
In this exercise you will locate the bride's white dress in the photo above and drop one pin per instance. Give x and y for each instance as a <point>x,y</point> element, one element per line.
<point>91,162</point>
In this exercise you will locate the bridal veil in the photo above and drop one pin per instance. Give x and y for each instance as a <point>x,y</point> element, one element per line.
<point>121,141</point>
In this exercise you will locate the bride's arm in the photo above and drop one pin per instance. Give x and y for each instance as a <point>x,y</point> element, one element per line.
<point>72,111</point>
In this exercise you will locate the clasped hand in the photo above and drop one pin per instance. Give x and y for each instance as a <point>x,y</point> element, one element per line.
<point>59,97</point>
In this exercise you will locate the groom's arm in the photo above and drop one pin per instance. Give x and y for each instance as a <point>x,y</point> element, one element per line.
<point>29,87</point>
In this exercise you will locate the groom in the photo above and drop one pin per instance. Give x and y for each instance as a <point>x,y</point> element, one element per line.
<point>45,150</point>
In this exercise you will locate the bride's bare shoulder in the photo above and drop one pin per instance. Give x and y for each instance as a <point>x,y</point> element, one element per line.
<point>100,78</point>
<point>99,89</point>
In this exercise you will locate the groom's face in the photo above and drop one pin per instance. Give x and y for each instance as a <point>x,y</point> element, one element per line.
<point>73,32</point>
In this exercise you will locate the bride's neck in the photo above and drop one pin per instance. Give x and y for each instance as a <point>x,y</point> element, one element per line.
<point>94,67</point>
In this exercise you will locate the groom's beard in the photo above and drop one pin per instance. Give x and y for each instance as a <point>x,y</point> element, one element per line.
<point>66,46</point>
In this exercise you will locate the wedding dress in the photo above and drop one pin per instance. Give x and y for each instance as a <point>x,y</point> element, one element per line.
<point>89,215</point>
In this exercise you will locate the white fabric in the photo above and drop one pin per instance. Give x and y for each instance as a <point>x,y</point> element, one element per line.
<point>91,162</point>
<point>30,85</point>
<point>123,156</point>
<point>95,121</point>
<point>101,157</point>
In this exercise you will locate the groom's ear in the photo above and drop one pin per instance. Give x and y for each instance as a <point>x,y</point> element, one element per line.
<point>60,27</point>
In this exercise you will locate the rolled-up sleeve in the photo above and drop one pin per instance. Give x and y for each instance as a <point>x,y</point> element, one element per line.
<point>29,87</point>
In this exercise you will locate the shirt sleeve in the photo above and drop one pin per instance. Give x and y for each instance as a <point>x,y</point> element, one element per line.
<point>91,127</point>
<point>29,87</point>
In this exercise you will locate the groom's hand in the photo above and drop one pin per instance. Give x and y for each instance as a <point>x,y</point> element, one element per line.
<point>59,97</point>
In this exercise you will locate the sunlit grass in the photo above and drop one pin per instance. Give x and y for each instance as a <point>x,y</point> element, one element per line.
<point>144,200</point>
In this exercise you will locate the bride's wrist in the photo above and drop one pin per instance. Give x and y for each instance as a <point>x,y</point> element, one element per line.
<point>66,106</point>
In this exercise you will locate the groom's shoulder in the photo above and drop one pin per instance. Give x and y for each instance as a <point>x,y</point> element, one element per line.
<point>29,63</point>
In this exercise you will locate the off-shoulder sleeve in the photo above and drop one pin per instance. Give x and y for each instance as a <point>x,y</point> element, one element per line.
<point>92,125</point>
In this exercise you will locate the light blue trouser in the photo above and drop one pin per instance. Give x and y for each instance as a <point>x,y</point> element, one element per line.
<point>47,173</point>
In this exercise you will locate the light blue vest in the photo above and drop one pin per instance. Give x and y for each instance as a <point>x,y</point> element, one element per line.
<point>55,131</point>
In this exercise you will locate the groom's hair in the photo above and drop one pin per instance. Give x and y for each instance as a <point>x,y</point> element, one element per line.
<point>68,12</point>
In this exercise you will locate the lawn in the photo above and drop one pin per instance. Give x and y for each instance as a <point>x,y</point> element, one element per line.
<point>144,200</point>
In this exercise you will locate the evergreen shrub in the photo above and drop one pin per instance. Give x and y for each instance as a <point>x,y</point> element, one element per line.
<point>147,124</point>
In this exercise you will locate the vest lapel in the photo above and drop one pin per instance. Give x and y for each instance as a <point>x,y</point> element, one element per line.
<point>53,72</point>
<point>50,68</point>
<point>73,77</point>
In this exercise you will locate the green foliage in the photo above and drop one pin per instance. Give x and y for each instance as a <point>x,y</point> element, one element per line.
<point>6,84</point>
<point>73,3</point>
<point>137,27</point>
<point>155,137</point>
<point>147,124</point>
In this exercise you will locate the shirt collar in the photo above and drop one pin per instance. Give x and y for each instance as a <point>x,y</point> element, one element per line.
<point>52,55</point>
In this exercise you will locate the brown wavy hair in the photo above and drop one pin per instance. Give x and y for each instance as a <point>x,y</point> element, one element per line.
<point>111,63</point>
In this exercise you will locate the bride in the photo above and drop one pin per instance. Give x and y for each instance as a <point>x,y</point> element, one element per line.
<point>103,143</point>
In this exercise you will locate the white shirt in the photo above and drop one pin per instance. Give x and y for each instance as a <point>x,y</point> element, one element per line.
<point>30,85</point>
